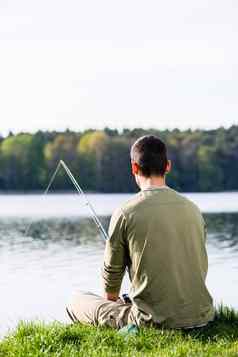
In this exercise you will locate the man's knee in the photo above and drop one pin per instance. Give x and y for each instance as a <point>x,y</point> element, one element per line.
<point>82,307</point>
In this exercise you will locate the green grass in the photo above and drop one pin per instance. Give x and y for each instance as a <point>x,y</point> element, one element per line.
<point>59,340</point>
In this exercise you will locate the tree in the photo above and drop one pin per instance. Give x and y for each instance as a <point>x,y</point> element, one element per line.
<point>63,147</point>
<point>210,176</point>
<point>15,161</point>
<point>92,146</point>
<point>116,167</point>
<point>202,160</point>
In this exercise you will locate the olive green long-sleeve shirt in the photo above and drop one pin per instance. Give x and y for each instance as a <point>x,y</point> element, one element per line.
<point>160,236</point>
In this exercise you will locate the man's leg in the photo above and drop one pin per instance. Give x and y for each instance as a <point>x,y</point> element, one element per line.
<point>93,309</point>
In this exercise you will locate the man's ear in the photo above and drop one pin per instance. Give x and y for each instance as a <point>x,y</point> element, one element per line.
<point>134,168</point>
<point>168,167</point>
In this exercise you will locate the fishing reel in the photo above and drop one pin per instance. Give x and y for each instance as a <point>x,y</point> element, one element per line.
<point>126,299</point>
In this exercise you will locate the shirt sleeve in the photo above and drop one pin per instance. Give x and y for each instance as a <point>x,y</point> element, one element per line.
<point>115,254</point>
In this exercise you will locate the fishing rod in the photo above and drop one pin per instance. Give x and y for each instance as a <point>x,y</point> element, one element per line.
<point>88,203</point>
<point>80,192</point>
<point>125,297</point>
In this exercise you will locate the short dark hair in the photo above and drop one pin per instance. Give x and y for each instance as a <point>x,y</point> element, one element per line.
<point>150,153</point>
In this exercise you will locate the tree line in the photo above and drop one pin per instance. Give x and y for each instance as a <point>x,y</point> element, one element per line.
<point>202,160</point>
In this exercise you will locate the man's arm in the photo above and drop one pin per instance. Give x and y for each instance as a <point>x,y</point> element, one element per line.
<point>204,229</point>
<point>115,256</point>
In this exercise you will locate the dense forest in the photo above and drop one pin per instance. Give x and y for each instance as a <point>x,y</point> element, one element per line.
<point>202,160</point>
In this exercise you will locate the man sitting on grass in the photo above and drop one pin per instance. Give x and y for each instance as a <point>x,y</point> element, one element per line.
<point>159,236</point>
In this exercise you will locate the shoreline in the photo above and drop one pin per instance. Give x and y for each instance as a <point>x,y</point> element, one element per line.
<point>70,192</point>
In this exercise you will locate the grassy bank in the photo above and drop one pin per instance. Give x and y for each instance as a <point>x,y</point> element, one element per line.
<point>57,340</point>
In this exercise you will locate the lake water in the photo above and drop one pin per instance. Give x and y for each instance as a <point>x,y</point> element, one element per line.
<point>63,251</point>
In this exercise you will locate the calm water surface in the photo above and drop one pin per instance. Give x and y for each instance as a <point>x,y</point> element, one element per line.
<point>63,251</point>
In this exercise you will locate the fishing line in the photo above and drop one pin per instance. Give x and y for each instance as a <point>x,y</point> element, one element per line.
<point>80,192</point>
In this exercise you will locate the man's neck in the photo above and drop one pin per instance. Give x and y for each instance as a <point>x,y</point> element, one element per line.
<point>152,182</point>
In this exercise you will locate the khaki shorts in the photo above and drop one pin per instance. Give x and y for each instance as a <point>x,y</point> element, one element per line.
<point>89,308</point>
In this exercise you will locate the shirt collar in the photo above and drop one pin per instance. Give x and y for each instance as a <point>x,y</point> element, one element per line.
<point>151,188</point>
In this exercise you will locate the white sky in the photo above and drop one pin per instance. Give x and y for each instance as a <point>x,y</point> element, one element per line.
<point>127,63</point>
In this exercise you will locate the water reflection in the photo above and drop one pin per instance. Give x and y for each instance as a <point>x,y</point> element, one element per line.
<point>223,228</point>
<point>77,230</point>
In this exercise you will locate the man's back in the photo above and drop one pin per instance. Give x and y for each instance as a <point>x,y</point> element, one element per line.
<point>163,235</point>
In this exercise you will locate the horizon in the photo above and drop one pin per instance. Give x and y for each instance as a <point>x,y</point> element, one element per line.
<point>120,131</point>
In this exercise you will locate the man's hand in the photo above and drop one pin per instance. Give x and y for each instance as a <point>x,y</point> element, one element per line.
<point>111,296</point>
